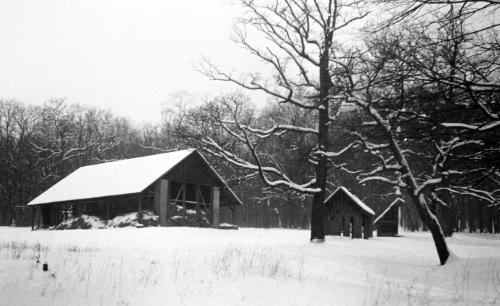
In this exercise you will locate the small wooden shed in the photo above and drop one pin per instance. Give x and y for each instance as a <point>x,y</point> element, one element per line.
<point>387,223</point>
<point>163,183</point>
<point>346,215</point>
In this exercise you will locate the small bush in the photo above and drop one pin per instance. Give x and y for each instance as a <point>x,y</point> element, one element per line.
<point>190,217</point>
<point>148,218</point>
<point>81,222</point>
<point>91,222</point>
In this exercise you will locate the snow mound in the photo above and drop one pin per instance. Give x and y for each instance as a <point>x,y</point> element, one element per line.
<point>180,209</point>
<point>228,226</point>
<point>132,219</point>
<point>190,217</point>
<point>81,222</point>
<point>90,222</point>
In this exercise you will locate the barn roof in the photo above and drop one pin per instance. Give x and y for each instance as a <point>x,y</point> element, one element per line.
<point>128,176</point>
<point>395,202</point>
<point>354,198</point>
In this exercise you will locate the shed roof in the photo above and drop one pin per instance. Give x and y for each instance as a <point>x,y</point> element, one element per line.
<point>395,202</point>
<point>354,198</point>
<point>121,177</point>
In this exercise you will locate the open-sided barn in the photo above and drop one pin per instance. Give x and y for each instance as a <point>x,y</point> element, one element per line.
<point>161,183</point>
<point>347,215</point>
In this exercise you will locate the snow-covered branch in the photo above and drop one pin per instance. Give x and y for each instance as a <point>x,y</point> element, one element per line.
<point>215,149</point>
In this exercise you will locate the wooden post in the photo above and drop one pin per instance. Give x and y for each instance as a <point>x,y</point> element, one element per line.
<point>184,199</point>
<point>164,196</point>
<point>197,197</point>
<point>107,211</point>
<point>156,198</point>
<point>215,205</point>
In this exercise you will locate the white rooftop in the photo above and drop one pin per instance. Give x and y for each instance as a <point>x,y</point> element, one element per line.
<point>358,202</point>
<point>395,202</point>
<point>126,176</point>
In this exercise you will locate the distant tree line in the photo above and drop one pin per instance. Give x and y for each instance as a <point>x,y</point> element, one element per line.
<point>39,145</point>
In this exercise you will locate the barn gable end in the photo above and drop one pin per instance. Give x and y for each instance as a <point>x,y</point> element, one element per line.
<point>346,215</point>
<point>387,223</point>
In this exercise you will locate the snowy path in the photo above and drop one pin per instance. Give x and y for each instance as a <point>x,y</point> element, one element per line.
<point>194,266</point>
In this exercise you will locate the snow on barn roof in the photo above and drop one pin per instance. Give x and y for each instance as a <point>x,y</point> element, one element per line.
<point>397,201</point>
<point>356,200</point>
<point>126,176</point>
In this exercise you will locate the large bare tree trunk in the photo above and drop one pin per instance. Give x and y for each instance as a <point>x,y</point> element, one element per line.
<point>432,223</point>
<point>317,226</point>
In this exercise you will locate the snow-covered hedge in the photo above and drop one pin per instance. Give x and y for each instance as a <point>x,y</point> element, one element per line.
<point>228,226</point>
<point>189,217</point>
<point>132,219</point>
<point>81,222</point>
<point>92,222</point>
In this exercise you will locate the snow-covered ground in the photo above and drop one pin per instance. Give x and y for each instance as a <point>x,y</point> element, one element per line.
<point>196,266</point>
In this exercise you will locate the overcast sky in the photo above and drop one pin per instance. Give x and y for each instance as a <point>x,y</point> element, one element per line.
<point>126,55</point>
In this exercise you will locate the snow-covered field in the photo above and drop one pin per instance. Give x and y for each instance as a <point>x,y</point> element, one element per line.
<point>195,266</point>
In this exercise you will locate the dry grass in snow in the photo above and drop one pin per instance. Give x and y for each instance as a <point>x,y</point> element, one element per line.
<point>195,266</point>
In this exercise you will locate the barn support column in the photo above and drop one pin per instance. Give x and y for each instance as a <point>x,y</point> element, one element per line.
<point>156,199</point>
<point>184,199</point>
<point>197,198</point>
<point>215,206</point>
<point>161,199</point>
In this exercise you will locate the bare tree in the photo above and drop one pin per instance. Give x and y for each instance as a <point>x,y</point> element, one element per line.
<point>482,14</point>
<point>298,42</point>
<point>429,118</point>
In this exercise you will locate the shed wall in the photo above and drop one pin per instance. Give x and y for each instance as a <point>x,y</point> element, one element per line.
<point>344,217</point>
<point>388,224</point>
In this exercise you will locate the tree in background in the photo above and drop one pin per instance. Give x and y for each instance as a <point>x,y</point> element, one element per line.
<point>39,145</point>
<point>430,96</point>
<point>297,40</point>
